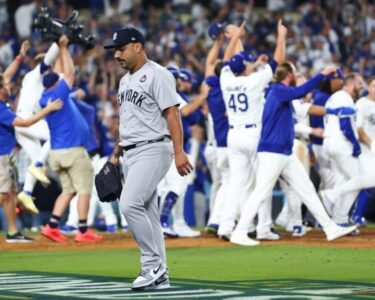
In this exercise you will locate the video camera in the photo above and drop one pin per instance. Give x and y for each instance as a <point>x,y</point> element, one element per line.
<point>52,29</point>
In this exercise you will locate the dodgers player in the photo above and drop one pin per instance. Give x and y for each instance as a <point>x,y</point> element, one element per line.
<point>320,96</point>
<point>149,118</point>
<point>172,188</point>
<point>342,145</point>
<point>242,90</point>
<point>219,172</point>
<point>341,132</point>
<point>30,138</point>
<point>8,119</point>
<point>275,156</point>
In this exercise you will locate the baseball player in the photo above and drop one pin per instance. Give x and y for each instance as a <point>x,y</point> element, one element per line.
<point>30,138</point>
<point>242,89</point>
<point>8,119</point>
<point>344,150</point>
<point>275,156</point>
<point>302,108</point>
<point>149,120</point>
<point>173,187</point>
<point>366,132</point>
<point>68,156</point>
<point>217,110</point>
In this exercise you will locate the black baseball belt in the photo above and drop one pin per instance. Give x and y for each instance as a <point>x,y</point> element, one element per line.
<point>126,148</point>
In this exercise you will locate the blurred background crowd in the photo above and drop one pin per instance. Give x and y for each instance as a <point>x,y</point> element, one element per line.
<point>320,32</point>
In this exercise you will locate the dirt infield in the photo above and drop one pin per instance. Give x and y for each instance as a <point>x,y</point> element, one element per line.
<point>366,240</point>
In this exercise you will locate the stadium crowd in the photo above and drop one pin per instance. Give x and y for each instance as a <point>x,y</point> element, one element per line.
<point>319,33</point>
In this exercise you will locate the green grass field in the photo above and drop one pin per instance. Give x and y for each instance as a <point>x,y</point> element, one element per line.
<point>268,272</point>
<point>228,263</point>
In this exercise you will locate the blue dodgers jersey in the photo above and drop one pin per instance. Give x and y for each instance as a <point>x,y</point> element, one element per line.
<point>277,133</point>
<point>189,120</point>
<point>218,111</point>
<point>7,136</point>
<point>65,125</point>
<point>319,98</point>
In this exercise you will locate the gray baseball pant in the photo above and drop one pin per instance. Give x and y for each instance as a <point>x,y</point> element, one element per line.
<point>144,168</point>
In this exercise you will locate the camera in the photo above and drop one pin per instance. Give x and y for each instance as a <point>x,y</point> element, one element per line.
<point>51,28</point>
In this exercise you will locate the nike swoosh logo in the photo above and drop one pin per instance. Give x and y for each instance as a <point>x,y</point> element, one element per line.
<point>157,270</point>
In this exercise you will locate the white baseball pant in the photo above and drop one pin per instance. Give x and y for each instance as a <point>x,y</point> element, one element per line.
<point>30,140</point>
<point>270,167</point>
<point>242,150</point>
<point>344,167</point>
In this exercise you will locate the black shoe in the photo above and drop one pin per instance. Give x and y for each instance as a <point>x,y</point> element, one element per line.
<point>18,238</point>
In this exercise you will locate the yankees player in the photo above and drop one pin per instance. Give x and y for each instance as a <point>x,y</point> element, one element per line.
<point>275,156</point>
<point>344,150</point>
<point>242,89</point>
<point>30,138</point>
<point>149,118</point>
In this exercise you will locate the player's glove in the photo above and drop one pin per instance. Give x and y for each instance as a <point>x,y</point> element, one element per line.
<point>356,150</point>
<point>108,182</point>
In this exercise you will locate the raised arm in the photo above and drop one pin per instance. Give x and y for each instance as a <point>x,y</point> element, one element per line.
<point>15,64</point>
<point>66,60</point>
<point>235,43</point>
<point>279,54</point>
<point>212,56</point>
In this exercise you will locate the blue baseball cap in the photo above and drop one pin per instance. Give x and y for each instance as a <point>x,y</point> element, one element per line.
<point>186,75</point>
<point>125,36</point>
<point>215,29</point>
<point>237,64</point>
<point>50,79</point>
<point>248,56</point>
<point>175,72</point>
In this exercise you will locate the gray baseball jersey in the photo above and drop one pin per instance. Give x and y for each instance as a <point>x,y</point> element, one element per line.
<point>143,96</point>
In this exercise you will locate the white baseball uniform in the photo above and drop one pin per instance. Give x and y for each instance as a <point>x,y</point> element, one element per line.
<point>30,138</point>
<point>243,97</point>
<point>340,149</point>
<point>366,177</point>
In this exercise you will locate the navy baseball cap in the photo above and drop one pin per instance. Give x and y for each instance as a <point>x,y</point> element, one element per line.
<point>215,29</point>
<point>237,64</point>
<point>50,79</point>
<point>125,36</point>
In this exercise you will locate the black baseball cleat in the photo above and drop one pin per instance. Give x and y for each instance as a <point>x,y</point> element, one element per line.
<point>18,238</point>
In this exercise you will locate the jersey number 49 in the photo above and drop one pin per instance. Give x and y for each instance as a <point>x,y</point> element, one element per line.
<point>238,102</point>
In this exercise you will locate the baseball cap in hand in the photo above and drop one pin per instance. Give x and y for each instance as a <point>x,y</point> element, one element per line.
<point>125,36</point>
<point>237,64</point>
<point>247,56</point>
<point>215,29</point>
